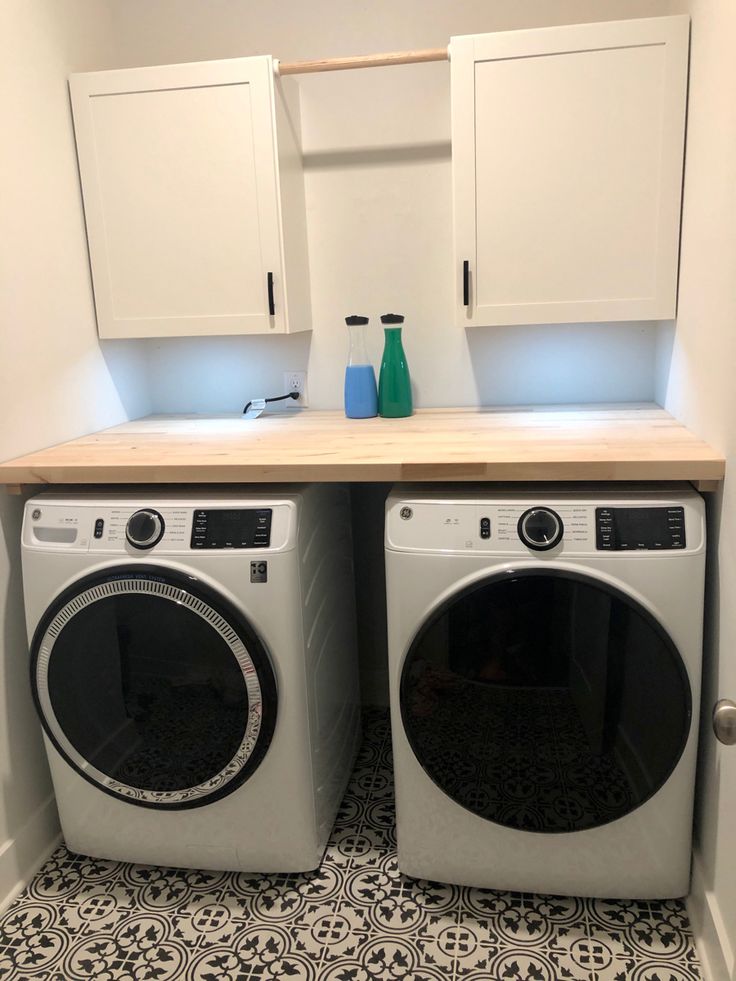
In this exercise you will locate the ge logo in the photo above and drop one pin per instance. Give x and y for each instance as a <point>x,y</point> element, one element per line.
<point>406,513</point>
<point>36,514</point>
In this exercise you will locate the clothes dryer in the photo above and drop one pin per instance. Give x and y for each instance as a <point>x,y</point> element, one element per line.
<point>545,661</point>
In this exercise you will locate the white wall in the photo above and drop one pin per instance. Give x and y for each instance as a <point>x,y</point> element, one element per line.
<point>377,157</point>
<point>698,385</point>
<point>55,381</point>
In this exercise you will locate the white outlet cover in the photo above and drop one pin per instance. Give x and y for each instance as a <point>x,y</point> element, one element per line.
<point>297,381</point>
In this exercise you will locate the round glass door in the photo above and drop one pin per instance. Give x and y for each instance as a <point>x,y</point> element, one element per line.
<point>153,687</point>
<point>545,701</point>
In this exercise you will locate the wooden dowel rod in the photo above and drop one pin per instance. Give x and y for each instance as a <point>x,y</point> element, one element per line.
<point>362,61</point>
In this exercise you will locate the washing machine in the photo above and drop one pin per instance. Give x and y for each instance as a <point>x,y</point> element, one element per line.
<point>193,664</point>
<point>545,659</point>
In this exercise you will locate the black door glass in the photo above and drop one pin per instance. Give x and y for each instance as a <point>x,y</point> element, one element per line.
<point>545,701</point>
<point>149,693</point>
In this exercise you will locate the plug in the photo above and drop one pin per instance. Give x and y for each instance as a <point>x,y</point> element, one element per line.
<point>296,381</point>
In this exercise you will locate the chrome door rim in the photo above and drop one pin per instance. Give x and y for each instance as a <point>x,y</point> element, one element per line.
<point>180,596</point>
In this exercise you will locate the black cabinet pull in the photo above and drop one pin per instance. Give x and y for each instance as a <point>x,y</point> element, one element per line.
<point>466,283</point>
<point>271,305</point>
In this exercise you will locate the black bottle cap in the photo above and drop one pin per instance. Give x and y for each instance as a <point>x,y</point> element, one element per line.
<point>392,318</point>
<point>350,321</point>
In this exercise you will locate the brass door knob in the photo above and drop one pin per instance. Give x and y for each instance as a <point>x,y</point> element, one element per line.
<point>724,721</point>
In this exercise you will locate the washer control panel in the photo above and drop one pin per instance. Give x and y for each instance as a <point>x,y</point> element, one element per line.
<point>232,528</point>
<point>623,529</point>
<point>156,527</point>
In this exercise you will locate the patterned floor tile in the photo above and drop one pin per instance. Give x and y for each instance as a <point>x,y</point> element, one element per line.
<point>356,918</point>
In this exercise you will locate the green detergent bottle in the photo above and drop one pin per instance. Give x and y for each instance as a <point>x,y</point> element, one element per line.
<point>394,384</point>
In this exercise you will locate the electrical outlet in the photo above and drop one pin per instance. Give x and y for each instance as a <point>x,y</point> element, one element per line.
<point>296,381</point>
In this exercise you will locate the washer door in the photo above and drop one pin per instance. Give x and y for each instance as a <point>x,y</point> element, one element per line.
<point>545,701</point>
<point>153,687</point>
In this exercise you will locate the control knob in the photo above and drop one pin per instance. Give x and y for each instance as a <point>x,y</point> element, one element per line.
<point>540,529</point>
<point>145,528</point>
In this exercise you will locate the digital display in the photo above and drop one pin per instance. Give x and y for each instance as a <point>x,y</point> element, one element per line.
<point>641,524</point>
<point>232,528</point>
<point>621,529</point>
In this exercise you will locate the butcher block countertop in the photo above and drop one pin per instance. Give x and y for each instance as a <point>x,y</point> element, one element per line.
<point>628,442</point>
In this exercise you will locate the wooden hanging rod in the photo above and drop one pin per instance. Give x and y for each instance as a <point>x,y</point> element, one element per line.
<point>362,61</point>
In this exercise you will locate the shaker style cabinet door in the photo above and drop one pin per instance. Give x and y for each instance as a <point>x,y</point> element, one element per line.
<point>181,178</point>
<point>567,147</point>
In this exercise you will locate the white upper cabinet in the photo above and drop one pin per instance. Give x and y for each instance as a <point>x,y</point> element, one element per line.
<point>567,147</point>
<point>193,198</point>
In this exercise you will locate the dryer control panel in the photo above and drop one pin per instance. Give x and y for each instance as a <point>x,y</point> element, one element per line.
<point>621,529</point>
<point>546,525</point>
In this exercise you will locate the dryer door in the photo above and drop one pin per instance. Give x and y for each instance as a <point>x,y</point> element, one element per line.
<point>545,701</point>
<point>153,687</point>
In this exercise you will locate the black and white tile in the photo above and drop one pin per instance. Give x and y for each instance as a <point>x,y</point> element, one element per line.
<point>356,918</point>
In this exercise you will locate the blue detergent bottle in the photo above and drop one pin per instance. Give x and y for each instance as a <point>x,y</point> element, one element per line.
<point>361,394</point>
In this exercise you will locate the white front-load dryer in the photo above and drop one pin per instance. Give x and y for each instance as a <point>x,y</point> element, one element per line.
<point>193,664</point>
<point>545,660</point>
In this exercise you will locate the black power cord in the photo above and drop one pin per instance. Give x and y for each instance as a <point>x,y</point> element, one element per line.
<point>276,398</point>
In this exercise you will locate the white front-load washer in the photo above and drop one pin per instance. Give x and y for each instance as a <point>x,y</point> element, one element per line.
<point>193,664</point>
<point>545,659</point>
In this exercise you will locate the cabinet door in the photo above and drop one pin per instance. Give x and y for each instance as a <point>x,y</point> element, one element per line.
<point>179,179</point>
<point>567,171</point>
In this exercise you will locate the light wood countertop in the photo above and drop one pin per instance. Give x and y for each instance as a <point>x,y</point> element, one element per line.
<point>630,442</point>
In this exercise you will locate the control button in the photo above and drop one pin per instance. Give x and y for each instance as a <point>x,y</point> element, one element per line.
<point>145,528</point>
<point>485,527</point>
<point>540,529</point>
<point>99,528</point>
